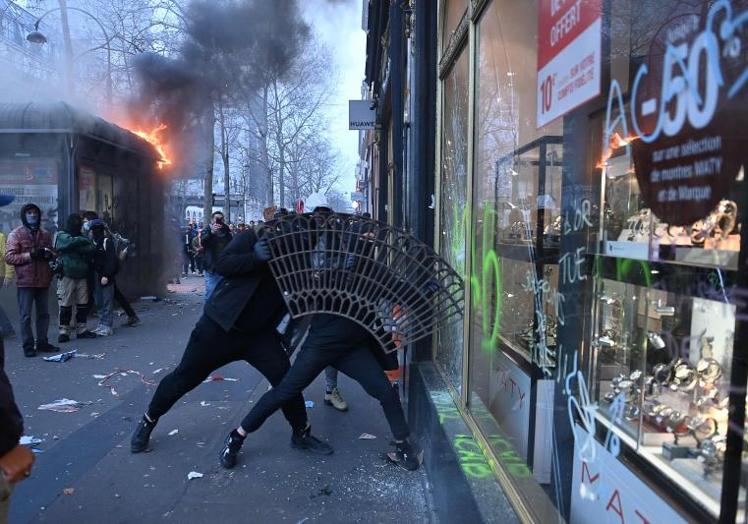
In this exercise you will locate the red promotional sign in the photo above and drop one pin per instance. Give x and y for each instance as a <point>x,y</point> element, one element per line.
<point>569,42</point>
<point>560,22</point>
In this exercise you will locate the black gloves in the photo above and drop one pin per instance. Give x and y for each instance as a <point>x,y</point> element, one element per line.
<point>262,251</point>
<point>38,254</point>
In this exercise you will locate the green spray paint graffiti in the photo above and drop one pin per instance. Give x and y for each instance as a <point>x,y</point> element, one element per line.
<point>485,276</point>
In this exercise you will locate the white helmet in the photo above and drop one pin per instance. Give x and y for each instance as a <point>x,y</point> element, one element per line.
<point>316,200</point>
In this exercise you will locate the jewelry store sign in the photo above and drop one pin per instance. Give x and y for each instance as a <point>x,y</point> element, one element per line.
<point>569,47</point>
<point>688,111</point>
<point>604,490</point>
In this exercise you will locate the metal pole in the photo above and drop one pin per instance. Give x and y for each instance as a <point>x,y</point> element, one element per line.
<point>68,46</point>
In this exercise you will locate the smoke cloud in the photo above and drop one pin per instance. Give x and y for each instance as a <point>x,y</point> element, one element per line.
<point>231,49</point>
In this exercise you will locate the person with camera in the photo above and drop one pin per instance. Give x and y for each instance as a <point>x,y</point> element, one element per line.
<point>75,251</point>
<point>214,240</point>
<point>29,250</point>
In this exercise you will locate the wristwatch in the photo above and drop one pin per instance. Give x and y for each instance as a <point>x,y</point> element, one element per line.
<point>709,370</point>
<point>656,340</point>
<point>703,429</point>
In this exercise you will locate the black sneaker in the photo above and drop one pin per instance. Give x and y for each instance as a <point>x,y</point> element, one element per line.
<point>86,334</point>
<point>406,456</point>
<point>46,347</point>
<point>63,337</point>
<point>308,442</point>
<point>132,321</point>
<point>142,435</point>
<point>29,352</point>
<point>230,452</point>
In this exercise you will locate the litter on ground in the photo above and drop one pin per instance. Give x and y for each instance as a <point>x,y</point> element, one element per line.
<point>104,379</point>
<point>30,440</point>
<point>309,403</point>
<point>173,432</point>
<point>194,475</point>
<point>367,436</point>
<point>218,378</point>
<point>62,357</point>
<point>64,405</point>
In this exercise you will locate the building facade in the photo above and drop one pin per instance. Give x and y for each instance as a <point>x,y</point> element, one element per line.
<point>581,164</point>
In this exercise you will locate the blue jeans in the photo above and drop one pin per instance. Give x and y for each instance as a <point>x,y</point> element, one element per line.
<point>27,297</point>
<point>211,282</point>
<point>331,378</point>
<point>104,296</point>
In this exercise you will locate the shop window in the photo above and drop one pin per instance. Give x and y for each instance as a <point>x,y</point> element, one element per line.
<point>515,246</point>
<point>453,204</point>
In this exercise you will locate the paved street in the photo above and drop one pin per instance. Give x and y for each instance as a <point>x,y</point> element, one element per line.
<point>86,473</point>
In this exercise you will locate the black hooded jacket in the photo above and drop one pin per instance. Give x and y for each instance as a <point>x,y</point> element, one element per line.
<point>11,421</point>
<point>247,298</point>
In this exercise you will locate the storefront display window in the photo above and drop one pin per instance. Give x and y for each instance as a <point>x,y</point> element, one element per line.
<point>517,185</point>
<point>606,264</point>
<point>452,204</point>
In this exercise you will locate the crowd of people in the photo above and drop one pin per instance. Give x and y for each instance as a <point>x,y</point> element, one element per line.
<point>85,256</point>
<point>244,318</point>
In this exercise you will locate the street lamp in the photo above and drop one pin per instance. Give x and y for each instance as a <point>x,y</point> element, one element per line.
<point>37,37</point>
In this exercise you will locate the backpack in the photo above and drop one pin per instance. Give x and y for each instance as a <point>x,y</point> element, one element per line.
<point>121,246</point>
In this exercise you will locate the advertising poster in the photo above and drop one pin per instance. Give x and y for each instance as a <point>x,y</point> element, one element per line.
<point>31,181</point>
<point>569,47</point>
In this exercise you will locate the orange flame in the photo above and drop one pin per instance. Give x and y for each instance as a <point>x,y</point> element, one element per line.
<point>157,141</point>
<point>616,142</point>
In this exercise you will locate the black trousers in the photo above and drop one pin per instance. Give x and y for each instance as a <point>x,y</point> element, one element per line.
<point>120,299</point>
<point>209,348</point>
<point>333,341</point>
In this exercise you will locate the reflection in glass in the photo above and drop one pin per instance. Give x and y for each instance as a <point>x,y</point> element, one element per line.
<point>452,205</point>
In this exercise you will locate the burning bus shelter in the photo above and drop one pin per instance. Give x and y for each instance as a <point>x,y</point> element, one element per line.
<point>66,160</point>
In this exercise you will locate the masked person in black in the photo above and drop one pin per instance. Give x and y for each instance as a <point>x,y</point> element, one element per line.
<point>342,343</point>
<point>238,323</point>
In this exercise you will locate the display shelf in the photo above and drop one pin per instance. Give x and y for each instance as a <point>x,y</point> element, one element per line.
<point>695,256</point>
<point>527,251</point>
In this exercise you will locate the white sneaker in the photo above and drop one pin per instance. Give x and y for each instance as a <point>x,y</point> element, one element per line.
<point>335,399</point>
<point>104,331</point>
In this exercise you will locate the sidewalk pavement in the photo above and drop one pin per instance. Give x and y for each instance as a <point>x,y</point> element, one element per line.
<point>86,473</point>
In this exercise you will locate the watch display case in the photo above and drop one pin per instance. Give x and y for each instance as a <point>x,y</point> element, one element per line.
<point>633,231</point>
<point>664,333</point>
<point>528,232</point>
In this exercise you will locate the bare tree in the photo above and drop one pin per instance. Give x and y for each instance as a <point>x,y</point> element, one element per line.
<point>295,103</point>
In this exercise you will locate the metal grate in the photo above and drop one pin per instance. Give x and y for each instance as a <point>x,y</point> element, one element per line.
<point>392,284</point>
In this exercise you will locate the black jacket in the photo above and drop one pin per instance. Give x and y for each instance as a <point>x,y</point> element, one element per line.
<point>105,261</point>
<point>214,244</point>
<point>242,276</point>
<point>11,421</point>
